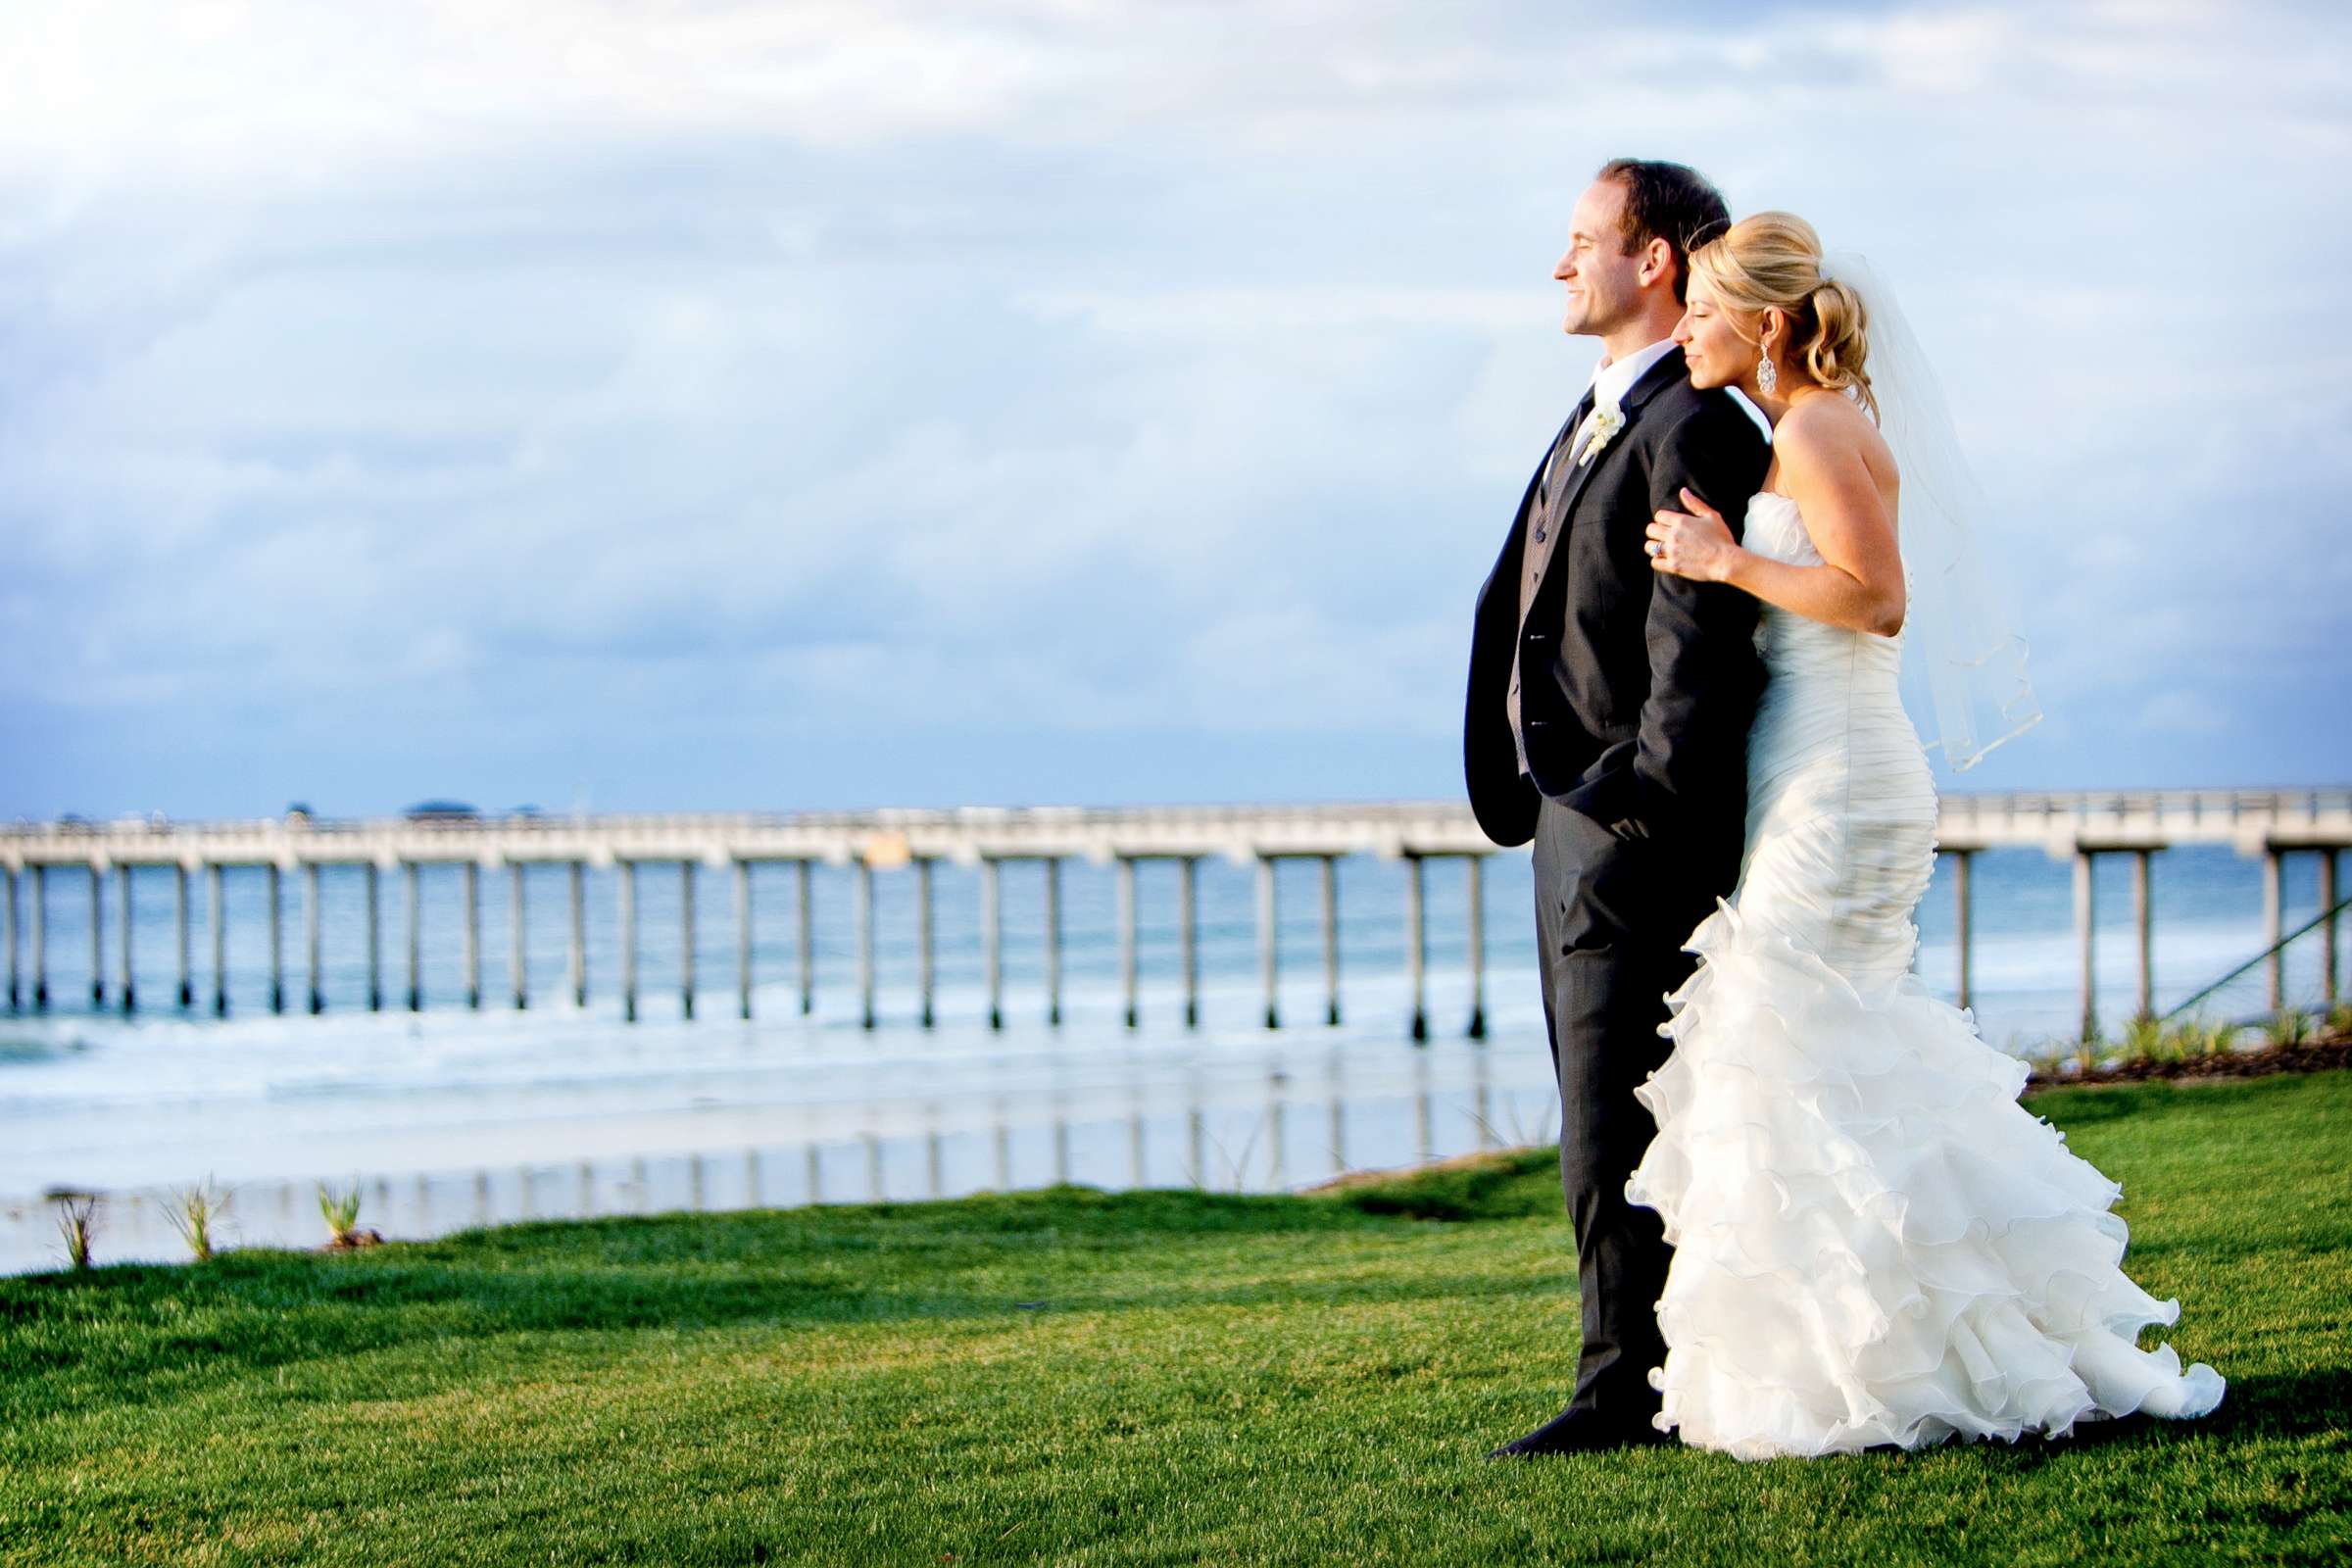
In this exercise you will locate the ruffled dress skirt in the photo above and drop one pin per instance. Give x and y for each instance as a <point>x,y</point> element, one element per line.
<point>1874,1242</point>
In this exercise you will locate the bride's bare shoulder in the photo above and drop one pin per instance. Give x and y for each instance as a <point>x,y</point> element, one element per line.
<point>1819,433</point>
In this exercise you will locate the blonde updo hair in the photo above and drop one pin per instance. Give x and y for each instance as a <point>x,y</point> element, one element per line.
<point>1773,259</point>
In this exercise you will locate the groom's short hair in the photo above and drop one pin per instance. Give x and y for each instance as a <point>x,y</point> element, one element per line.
<point>1672,202</point>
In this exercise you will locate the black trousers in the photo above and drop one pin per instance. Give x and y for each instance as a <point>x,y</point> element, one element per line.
<point>1612,916</point>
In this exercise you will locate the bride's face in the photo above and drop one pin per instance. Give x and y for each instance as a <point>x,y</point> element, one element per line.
<point>1713,349</point>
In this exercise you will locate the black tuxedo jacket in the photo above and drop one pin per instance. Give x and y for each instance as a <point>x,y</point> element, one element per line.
<point>1638,686</point>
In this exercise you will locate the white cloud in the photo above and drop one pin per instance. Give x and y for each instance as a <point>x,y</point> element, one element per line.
<point>2184,713</point>
<point>600,367</point>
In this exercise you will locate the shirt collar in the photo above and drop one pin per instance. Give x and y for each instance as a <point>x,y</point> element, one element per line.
<point>1613,381</point>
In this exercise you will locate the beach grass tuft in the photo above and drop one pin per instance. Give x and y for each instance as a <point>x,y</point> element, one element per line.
<point>77,1223</point>
<point>2145,1039</point>
<point>2089,1049</point>
<point>2288,1026</point>
<point>2219,1038</point>
<point>340,1208</point>
<point>192,1211</point>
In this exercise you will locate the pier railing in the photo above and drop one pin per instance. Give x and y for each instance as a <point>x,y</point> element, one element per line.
<point>2266,823</point>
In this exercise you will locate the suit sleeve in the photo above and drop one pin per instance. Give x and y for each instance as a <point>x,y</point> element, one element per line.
<point>1692,747</point>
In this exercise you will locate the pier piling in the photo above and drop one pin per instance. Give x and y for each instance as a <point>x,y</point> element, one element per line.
<point>2273,916</point>
<point>807,937</point>
<point>1474,887</point>
<point>2328,897</point>
<point>40,938</point>
<point>179,936</point>
<point>413,891</point>
<point>924,939</point>
<point>627,892</point>
<point>743,938</point>
<point>129,986</point>
<point>1127,966</point>
<point>471,881</point>
<point>1188,921</point>
<point>861,915</point>
<point>2085,923</point>
<point>310,935</point>
<point>14,990</point>
<point>277,938</point>
<point>991,943</point>
<point>577,956</point>
<point>97,941</point>
<point>686,938</point>
<point>1416,946</point>
<point>2143,923</point>
<point>1329,874</point>
<point>371,892</point>
<point>517,920</point>
<point>1053,939</point>
<point>1269,947</point>
<point>217,906</point>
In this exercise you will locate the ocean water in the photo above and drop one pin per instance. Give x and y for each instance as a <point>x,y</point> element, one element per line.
<point>452,1117</point>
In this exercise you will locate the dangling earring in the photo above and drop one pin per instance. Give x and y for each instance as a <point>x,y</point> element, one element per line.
<point>1767,378</point>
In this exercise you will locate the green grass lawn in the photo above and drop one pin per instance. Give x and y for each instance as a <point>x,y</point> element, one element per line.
<point>1150,1377</point>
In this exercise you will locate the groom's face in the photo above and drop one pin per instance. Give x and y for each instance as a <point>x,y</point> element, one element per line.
<point>1604,287</point>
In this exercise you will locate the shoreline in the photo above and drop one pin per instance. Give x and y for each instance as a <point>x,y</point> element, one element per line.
<point>2313,1056</point>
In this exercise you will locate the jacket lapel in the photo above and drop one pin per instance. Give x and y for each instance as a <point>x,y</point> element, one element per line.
<point>1651,383</point>
<point>1510,561</point>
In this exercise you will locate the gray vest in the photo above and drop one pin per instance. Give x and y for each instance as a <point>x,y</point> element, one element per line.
<point>1543,521</point>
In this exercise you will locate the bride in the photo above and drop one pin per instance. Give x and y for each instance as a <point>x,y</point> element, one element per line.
<point>1875,1243</point>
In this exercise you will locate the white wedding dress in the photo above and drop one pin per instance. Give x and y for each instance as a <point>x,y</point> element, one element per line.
<point>1875,1242</point>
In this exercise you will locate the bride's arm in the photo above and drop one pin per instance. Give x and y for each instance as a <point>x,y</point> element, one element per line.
<point>1860,583</point>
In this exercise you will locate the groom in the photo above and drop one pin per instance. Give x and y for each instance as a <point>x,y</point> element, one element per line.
<point>1607,721</point>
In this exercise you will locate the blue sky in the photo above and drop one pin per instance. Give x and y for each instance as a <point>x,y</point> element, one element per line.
<point>644,406</point>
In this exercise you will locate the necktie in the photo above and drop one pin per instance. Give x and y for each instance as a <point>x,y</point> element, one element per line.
<point>1568,439</point>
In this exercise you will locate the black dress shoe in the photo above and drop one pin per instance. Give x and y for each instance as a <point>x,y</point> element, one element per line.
<point>2086,1433</point>
<point>1580,1431</point>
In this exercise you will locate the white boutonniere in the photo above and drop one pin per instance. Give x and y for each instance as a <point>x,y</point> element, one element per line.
<point>1607,420</point>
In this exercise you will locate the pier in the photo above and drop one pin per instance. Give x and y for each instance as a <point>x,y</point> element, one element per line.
<point>2270,824</point>
<point>40,860</point>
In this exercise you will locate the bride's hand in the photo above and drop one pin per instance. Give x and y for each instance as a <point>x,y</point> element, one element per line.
<point>1693,544</point>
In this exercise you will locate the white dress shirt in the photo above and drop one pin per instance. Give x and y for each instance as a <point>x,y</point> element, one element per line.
<point>1612,380</point>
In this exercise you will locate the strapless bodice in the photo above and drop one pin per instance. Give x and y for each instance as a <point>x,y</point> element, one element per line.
<point>1840,808</point>
<point>1775,530</point>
